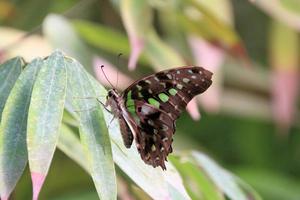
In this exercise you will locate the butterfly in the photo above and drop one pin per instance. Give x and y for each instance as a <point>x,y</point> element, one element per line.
<point>148,108</point>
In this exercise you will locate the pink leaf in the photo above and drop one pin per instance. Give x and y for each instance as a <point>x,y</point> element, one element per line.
<point>37,183</point>
<point>4,197</point>
<point>193,110</point>
<point>211,58</point>
<point>285,90</point>
<point>111,73</point>
<point>137,46</point>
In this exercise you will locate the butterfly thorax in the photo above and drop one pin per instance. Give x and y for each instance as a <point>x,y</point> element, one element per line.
<point>116,102</point>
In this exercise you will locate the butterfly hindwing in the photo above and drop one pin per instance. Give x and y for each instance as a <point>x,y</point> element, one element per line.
<point>156,101</point>
<point>155,129</point>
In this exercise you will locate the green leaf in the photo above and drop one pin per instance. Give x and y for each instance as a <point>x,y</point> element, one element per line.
<point>137,17</point>
<point>9,73</point>
<point>102,37</point>
<point>200,20</point>
<point>196,181</point>
<point>223,179</point>
<point>44,117</point>
<point>13,151</point>
<point>93,132</point>
<point>284,47</point>
<point>71,146</point>
<point>160,54</point>
<point>60,32</point>
<point>285,11</point>
<point>155,182</point>
<point>270,183</point>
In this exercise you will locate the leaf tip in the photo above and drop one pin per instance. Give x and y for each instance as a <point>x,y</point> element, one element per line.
<point>137,46</point>
<point>5,197</point>
<point>193,110</point>
<point>37,183</point>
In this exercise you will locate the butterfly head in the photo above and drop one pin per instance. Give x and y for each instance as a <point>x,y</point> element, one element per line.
<point>112,98</point>
<point>112,94</point>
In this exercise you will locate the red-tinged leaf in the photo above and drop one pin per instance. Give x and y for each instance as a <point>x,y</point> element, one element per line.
<point>285,89</point>
<point>37,183</point>
<point>212,58</point>
<point>13,151</point>
<point>137,17</point>
<point>193,110</point>
<point>137,46</point>
<point>45,115</point>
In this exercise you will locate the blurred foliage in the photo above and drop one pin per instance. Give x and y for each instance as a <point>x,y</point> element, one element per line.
<point>242,136</point>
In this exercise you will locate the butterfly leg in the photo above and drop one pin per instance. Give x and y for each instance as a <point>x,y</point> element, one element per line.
<point>104,106</point>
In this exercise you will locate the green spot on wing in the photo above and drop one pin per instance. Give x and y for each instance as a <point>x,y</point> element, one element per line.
<point>131,107</point>
<point>172,91</point>
<point>163,97</point>
<point>130,103</point>
<point>153,102</point>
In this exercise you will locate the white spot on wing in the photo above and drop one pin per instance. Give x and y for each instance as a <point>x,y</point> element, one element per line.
<point>150,122</point>
<point>153,148</point>
<point>155,78</point>
<point>179,86</point>
<point>163,84</point>
<point>164,127</point>
<point>186,80</point>
<point>146,110</point>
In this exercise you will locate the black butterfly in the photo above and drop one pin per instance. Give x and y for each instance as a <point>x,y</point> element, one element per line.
<point>148,108</point>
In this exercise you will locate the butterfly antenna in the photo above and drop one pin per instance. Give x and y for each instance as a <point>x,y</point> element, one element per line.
<point>106,77</point>
<point>118,64</point>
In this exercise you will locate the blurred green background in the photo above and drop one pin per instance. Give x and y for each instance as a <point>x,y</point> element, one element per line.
<point>244,135</point>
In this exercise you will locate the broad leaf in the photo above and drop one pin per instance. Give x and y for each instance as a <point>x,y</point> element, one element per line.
<point>44,117</point>
<point>93,132</point>
<point>13,151</point>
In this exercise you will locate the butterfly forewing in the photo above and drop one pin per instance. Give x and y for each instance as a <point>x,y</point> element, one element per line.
<point>156,101</point>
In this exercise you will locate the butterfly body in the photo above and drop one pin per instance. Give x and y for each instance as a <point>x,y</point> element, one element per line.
<point>148,108</point>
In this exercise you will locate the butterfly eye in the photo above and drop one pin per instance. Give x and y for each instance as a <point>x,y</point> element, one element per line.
<point>109,94</point>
